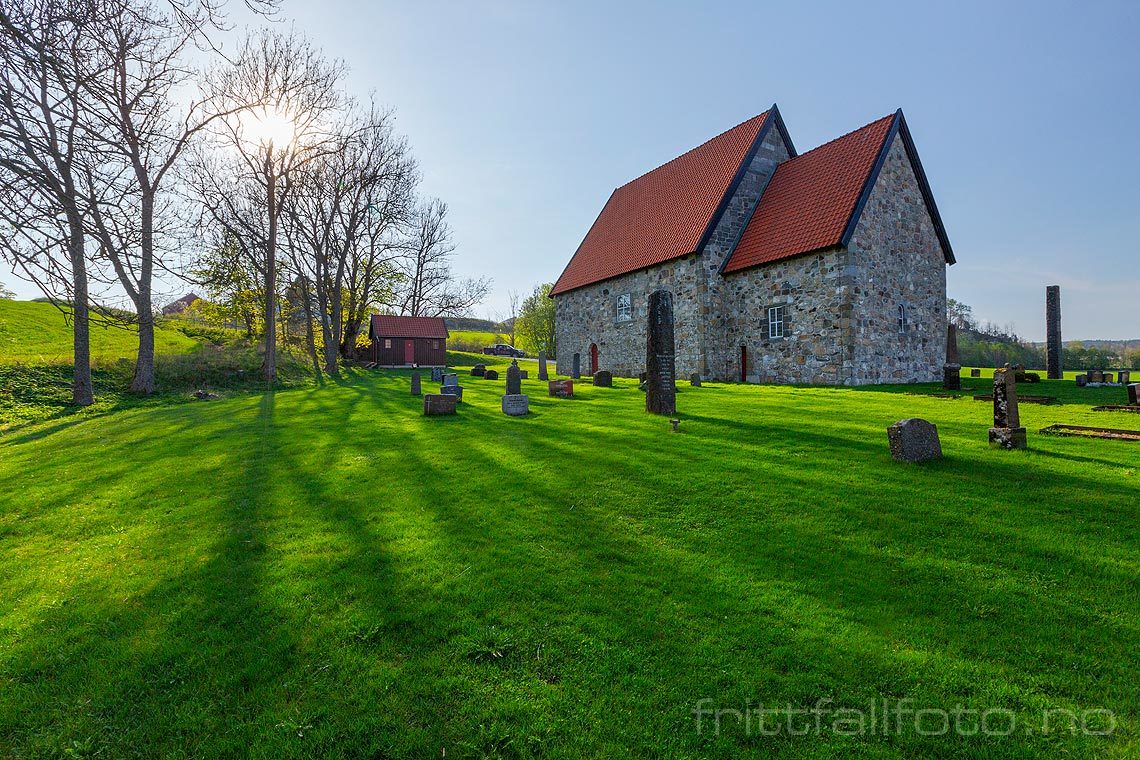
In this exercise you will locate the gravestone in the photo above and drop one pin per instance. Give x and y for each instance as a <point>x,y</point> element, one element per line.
<point>975,372</point>
<point>561,388</point>
<point>576,366</point>
<point>1007,431</point>
<point>952,370</point>
<point>491,374</point>
<point>604,379</point>
<point>914,440</point>
<point>1096,376</point>
<point>439,403</point>
<point>695,380</point>
<point>660,360</point>
<point>1134,394</point>
<point>452,390</point>
<point>1082,381</point>
<point>542,373</point>
<point>1108,377</point>
<point>514,379</point>
<point>416,384</point>
<point>1053,332</point>
<point>437,374</point>
<point>450,379</point>
<point>524,374</point>
<point>479,370</point>
<point>1124,377</point>
<point>516,404</point>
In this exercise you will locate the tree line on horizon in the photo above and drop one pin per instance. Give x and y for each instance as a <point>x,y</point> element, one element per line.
<point>133,144</point>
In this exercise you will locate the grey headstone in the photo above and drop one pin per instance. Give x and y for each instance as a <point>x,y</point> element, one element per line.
<point>975,372</point>
<point>491,374</point>
<point>914,440</point>
<point>514,379</point>
<point>1007,431</point>
<point>1124,377</point>
<point>952,370</point>
<point>660,359</point>
<point>1134,394</point>
<point>450,379</point>
<point>437,374</point>
<point>524,374</point>
<point>603,379</point>
<point>516,404</point>
<point>1053,332</point>
<point>1082,381</point>
<point>452,390</point>
<point>1096,376</point>
<point>695,380</point>
<point>439,403</point>
<point>416,384</point>
<point>542,373</point>
<point>576,366</point>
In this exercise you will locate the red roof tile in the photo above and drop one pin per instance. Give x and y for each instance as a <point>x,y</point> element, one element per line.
<point>811,198</point>
<point>663,214</point>
<point>385,326</point>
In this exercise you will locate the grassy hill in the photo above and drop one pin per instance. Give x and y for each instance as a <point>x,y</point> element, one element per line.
<point>38,333</point>
<point>325,572</point>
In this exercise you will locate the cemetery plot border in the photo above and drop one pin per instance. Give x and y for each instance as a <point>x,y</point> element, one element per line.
<point>1087,431</point>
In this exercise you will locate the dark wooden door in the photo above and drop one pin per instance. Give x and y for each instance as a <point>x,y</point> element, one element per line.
<point>593,358</point>
<point>744,364</point>
<point>409,352</point>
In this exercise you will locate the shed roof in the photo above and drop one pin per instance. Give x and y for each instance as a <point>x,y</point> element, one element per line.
<point>387,326</point>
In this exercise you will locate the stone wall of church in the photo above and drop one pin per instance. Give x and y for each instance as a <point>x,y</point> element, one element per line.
<point>897,261</point>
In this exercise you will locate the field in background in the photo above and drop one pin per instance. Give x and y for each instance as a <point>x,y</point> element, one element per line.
<point>325,572</point>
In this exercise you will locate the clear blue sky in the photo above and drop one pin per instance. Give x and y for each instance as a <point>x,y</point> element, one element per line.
<point>525,115</point>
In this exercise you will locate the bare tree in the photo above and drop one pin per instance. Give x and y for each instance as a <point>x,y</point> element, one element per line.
<point>430,289</point>
<point>46,61</point>
<point>288,94</point>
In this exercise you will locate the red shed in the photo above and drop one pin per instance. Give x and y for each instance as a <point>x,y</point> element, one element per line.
<point>403,341</point>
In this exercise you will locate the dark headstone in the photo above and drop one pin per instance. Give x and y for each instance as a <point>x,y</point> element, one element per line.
<point>695,380</point>
<point>914,440</point>
<point>516,404</point>
<point>524,374</point>
<point>416,384</point>
<point>1027,377</point>
<point>1096,376</point>
<point>1124,377</point>
<point>1108,377</point>
<point>1053,332</point>
<point>952,346</point>
<point>491,374</point>
<point>452,390</point>
<point>1007,431</point>
<point>576,366</point>
<point>561,388</point>
<point>437,374</point>
<point>660,360</point>
<point>952,370</point>
<point>439,403</point>
<point>479,370</point>
<point>514,379</point>
<point>975,372</point>
<point>1082,381</point>
<point>604,379</point>
<point>542,373</point>
<point>1134,394</point>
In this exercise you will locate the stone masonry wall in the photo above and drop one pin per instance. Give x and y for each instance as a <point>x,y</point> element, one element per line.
<point>589,315</point>
<point>897,261</point>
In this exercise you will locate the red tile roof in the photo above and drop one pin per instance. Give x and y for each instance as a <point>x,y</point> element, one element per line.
<point>663,214</point>
<point>811,198</point>
<point>385,326</point>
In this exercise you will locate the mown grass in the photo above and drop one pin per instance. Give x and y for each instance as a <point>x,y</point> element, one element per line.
<point>324,572</point>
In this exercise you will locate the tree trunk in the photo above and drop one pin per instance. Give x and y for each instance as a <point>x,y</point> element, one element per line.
<point>310,336</point>
<point>269,363</point>
<point>82,390</point>
<point>143,381</point>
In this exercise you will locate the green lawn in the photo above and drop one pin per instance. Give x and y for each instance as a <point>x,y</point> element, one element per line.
<point>37,333</point>
<point>325,572</point>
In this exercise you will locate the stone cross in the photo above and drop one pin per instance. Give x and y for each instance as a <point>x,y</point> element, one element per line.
<point>660,359</point>
<point>514,378</point>
<point>1053,332</point>
<point>416,384</point>
<point>952,370</point>
<point>576,366</point>
<point>1007,431</point>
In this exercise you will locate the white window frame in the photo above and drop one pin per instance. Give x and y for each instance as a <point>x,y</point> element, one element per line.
<point>624,306</point>
<point>903,319</point>
<point>777,317</point>
<point>387,343</point>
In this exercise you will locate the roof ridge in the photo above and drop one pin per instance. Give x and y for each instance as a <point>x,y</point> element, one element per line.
<point>845,135</point>
<point>695,148</point>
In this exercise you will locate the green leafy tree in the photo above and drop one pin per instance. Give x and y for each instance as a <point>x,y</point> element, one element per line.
<point>535,322</point>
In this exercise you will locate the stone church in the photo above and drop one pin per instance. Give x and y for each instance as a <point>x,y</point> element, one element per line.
<point>826,267</point>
